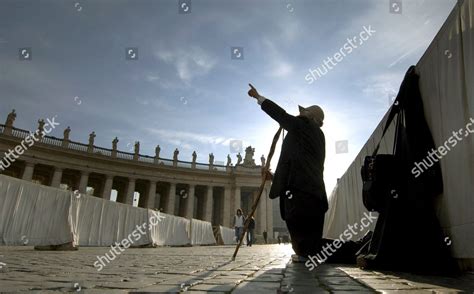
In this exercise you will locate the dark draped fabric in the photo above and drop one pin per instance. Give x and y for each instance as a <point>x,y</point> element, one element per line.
<point>408,235</point>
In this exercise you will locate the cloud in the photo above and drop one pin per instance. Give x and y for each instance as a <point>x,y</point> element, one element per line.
<point>278,67</point>
<point>281,69</point>
<point>188,63</point>
<point>180,138</point>
<point>152,78</point>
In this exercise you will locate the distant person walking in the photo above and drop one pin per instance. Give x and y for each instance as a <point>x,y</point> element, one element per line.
<point>239,221</point>
<point>250,234</point>
<point>298,179</point>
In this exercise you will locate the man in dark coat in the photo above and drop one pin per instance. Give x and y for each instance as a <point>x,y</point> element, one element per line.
<point>298,179</point>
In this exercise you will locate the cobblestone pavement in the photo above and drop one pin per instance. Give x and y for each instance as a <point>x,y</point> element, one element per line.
<point>257,269</point>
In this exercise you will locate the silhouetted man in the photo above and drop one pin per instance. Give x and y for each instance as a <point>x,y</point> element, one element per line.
<point>250,231</point>
<point>298,179</point>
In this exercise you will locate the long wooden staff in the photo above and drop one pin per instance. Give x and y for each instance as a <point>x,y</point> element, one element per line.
<point>260,191</point>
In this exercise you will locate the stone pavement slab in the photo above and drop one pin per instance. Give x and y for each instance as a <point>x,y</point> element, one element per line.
<point>205,269</point>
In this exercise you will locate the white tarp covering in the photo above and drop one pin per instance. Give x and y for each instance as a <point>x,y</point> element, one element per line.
<point>170,230</point>
<point>31,214</point>
<point>447,87</point>
<point>99,222</point>
<point>201,233</point>
<point>228,235</point>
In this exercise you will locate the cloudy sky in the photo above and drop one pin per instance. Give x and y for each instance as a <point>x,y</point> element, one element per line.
<point>185,90</point>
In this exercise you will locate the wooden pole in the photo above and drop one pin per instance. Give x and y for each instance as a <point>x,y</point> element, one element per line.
<point>260,191</point>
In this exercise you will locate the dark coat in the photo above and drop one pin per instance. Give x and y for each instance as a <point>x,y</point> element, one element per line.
<point>251,224</point>
<point>300,167</point>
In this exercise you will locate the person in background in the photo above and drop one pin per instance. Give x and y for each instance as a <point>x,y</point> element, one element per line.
<point>298,179</point>
<point>250,234</point>
<point>239,221</point>
<point>265,236</point>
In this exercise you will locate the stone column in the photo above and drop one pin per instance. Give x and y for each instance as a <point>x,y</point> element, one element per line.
<point>208,204</point>
<point>171,199</point>
<point>269,213</point>
<point>237,197</point>
<point>109,180</point>
<point>262,213</point>
<point>130,191</point>
<point>57,176</point>
<point>158,201</point>
<point>190,202</point>
<point>151,195</point>
<point>83,182</point>
<point>227,203</point>
<point>28,172</point>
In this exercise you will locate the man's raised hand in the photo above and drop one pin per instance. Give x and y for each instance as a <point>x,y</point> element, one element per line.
<point>253,92</point>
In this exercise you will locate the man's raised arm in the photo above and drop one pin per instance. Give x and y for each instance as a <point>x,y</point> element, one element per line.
<point>287,121</point>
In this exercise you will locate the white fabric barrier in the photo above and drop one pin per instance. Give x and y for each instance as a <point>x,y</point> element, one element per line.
<point>100,222</point>
<point>37,215</point>
<point>33,215</point>
<point>200,232</point>
<point>228,235</point>
<point>447,89</point>
<point>169,230</point>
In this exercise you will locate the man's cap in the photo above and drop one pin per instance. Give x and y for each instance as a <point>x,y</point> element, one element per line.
<point>314,112</point>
